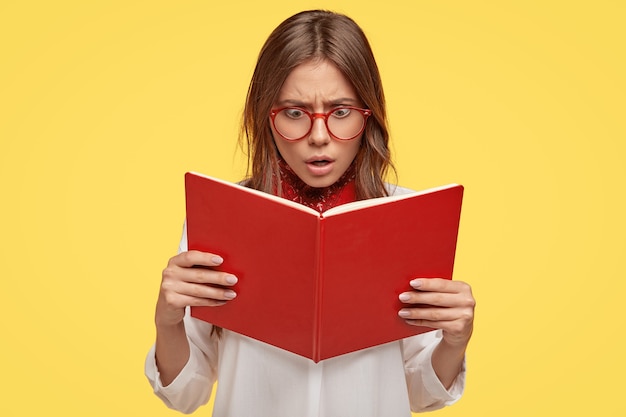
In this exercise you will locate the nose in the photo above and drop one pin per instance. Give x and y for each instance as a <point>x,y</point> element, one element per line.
<point>319,133</point>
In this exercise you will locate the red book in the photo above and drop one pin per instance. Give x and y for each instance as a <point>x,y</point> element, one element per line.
<point>320,285</point>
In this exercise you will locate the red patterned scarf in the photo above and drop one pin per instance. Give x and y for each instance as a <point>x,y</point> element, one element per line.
<point>320,199</point>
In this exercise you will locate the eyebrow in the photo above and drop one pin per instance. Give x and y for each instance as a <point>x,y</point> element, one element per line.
<point>329,103</point>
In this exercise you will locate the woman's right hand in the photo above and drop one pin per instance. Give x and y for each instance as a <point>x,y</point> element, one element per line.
<point>190,280</point>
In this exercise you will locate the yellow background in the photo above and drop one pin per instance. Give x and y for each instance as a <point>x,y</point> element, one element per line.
<point>105,104</point>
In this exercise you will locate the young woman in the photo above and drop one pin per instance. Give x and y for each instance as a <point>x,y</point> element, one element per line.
<point>316,131</point>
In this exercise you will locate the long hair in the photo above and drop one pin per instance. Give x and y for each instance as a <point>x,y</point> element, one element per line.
<point>316,35</point>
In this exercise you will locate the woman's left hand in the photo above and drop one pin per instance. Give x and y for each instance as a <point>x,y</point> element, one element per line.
<point>441,304</point>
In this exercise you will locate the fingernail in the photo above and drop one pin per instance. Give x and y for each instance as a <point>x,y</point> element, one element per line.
<point>217,259</point>
<point>230,294</point>
<point>404,313</point>
<point>404,297</point>
<point>416,283</point>
<point>231,279</point>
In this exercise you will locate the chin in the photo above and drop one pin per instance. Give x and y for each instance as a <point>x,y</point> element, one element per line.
<point>319,182</point>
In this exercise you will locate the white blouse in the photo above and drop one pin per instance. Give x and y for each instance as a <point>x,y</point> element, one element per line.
<point>258,379</point>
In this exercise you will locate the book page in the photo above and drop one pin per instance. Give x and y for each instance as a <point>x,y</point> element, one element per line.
<point>357,205</point>
<point>276,199</point>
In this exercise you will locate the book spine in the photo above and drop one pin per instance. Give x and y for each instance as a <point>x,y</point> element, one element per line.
<point>319,285</point>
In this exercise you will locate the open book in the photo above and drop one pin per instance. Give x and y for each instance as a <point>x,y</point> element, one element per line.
<point>320,285</point>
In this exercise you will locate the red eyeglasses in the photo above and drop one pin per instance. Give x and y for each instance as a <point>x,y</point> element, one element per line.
<point>343,123</point>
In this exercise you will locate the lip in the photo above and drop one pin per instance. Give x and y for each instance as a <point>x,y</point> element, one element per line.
<point>319,158</point>
<point>319,170</point>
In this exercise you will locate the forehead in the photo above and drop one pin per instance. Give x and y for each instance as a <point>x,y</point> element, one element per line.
<point>316,80</point>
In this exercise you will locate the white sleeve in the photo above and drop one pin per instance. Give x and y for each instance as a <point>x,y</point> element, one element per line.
<point>426,392</point>
<point>192,387</point>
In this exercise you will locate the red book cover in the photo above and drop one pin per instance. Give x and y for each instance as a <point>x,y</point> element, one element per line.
<point>320,285</point>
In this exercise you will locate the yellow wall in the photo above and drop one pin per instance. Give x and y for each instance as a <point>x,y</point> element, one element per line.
<point>104,105</point>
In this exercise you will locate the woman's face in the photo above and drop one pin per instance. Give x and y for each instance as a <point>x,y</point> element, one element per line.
<point>318,159</point>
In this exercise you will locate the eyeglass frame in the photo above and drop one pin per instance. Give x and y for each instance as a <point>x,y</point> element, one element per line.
<point>366,113</point>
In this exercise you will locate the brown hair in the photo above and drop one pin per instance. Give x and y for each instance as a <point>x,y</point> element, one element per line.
<point>316,35</point>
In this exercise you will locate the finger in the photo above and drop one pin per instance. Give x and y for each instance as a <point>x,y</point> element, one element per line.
<point>207,292</point>
<point>198,275</point>
<point>182,301</point>
<point>439,299</point>
<point>454,331</point>
<point>196,258</point>
<point>176,293</point>
<point>446,326</point>
<point>439,285</point>
<point>430,314</point>
<point>209,276</point>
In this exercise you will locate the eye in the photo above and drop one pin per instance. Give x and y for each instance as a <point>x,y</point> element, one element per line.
<point>294,113</point>
<point>341,112</point>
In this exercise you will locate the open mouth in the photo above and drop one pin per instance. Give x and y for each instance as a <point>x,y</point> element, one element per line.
<point>320,163</point>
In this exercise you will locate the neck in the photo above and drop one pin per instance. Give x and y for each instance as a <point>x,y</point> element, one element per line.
<point>291,187</point>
